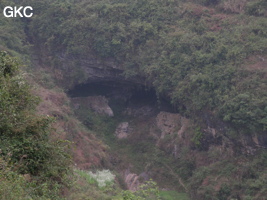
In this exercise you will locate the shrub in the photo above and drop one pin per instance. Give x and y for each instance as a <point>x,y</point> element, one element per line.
<point>147,191</point>
<point>256,8</point>
<point>103,177</point>
<point>26,138</point>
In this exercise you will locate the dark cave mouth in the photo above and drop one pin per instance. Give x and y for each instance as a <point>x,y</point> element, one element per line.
<point>123,94</point>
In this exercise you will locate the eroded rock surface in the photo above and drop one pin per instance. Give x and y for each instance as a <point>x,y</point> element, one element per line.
<point>170,123</point>
<point>132,181</point>
<point>122,130</point>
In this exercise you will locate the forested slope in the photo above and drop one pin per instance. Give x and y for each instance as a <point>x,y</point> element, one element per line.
<point>198,54</point>
<point>207,58</point>
<point>28,150</point>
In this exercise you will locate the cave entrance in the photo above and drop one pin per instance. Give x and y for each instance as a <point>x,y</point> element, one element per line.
<point>123,95</point>
<point>104,88</point>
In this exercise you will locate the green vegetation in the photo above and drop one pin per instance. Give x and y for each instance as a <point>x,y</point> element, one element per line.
<point>12,36</point>
<point>246,179</point>
<point>89,189</point>
<point>103,178</point>
<point>184,50</point>
<point>197,137</point>
<point>86,176</point>
<point>147,191</point>
<point>27,146</point>
<point>86,188</point>
<point>205,56</point>
<point>35,164</point>
<point>173,195</point>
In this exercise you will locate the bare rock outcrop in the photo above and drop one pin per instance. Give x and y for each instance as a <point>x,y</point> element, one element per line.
<point>122,130</point>
<point>170,123</point>
<point>132,181</point>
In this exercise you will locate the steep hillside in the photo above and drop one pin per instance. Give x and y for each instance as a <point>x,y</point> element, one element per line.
<point>197,56</point>
<point>171,90</point>
<point>34,162</point>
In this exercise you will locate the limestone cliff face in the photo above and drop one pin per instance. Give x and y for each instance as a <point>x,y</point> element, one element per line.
<point>75,70</point>
<point>92,69</point>
<point>217,132</point>
<point>173,132</point>
<point>170,123</point>
<point>213,135</point>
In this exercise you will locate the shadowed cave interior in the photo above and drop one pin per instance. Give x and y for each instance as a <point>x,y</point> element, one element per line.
<point>124,94</point>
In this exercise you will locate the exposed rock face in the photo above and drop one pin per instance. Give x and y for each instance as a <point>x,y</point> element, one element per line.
<point>216,134</point>
<point>260,140</point>
<point>99,104</point>
<point>90,69</point>
<point>122,130</point>
<point>251,143</point>
<point>170,123</point>
<point>132,181</point>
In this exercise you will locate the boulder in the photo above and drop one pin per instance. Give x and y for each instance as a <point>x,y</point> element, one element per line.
<point>122,130</point>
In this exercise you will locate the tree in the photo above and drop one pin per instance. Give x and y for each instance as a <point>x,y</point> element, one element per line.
<point>25,137</point>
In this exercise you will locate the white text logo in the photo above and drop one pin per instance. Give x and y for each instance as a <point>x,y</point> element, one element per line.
<point>18,12</point>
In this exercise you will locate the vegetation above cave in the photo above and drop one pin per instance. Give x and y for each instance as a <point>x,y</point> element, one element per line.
<point>199,54</point>
<point>206,56</point>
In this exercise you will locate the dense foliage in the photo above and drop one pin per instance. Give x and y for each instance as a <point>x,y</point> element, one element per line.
<point>27,145</point>
<point>205,56</point>
<point>195,55</point>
